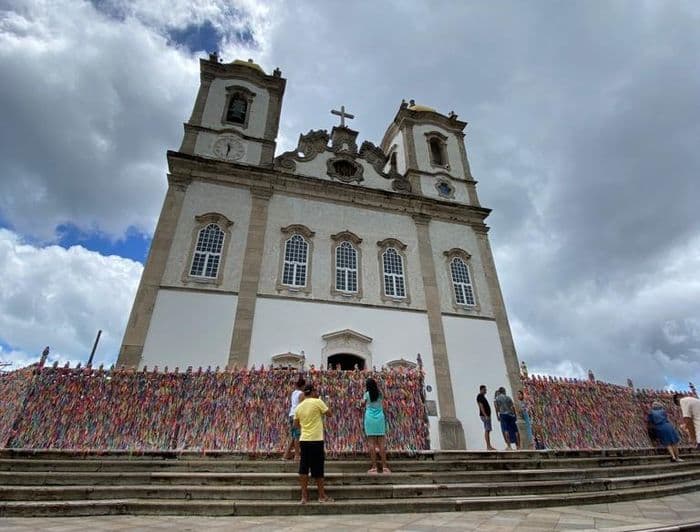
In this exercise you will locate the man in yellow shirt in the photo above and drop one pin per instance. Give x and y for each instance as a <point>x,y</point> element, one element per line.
<point>309,417</point>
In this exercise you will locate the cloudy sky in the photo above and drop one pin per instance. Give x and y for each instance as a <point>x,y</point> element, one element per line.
<point>584,135</point>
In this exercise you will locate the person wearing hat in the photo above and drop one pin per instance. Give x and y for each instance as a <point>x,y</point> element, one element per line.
<point>664,430</point>
<point>308,416</point>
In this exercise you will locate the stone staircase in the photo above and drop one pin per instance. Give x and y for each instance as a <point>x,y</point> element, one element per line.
<point>64,483</point>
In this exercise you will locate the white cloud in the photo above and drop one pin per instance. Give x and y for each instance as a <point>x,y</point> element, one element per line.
<point>61,298</point>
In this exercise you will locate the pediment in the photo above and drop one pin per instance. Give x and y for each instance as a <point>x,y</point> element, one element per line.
<point>347,335</point>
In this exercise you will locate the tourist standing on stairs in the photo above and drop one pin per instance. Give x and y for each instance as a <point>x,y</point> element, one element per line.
<point>375,425</point>
<point>308,416</point>
<point>485,415</point>
<point>505,410</point>
<point>663,430</point>
<point>525,414</point>
<point>294,431</point>
<point>690,409</point>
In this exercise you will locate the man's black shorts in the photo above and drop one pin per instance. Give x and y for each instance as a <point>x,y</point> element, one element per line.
<point>312,458</point>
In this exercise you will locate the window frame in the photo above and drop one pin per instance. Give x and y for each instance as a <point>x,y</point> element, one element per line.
<point>464,256</point>
<point>337,241</point>
<point>400,249</point>
<point>306,235</point>
<point>202,222</point>
<point>441,140</point>
<point>246,94</point>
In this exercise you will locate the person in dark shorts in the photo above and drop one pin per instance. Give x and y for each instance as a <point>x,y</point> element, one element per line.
<point>505,410</point>
<point>308,416</point>
<point>294,432</point>
<point>485,415</point>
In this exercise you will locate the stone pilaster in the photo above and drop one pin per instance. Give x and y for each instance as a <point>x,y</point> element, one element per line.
<point>131,349</point>
<point>451,431</point>
<point>190,138</point>
<point>409,145</point>
<point>504,332</point>
<point>250,277</point>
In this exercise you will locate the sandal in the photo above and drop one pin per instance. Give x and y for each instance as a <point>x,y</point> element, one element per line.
<point>327,499</point>
<point>303,501</point>
<point>372,471</point>
<point>386,471</point>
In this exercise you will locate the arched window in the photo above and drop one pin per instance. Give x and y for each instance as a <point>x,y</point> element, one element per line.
<point>394,282</point>
<point>346,268</point>
<point>295,261</point>
<point>237,109</point>
<point>393,163</point>
<point>436,155</point>
<point>207,254</point>
<point>462,283</point>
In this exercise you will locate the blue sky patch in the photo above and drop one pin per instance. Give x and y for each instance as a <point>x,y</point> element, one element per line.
<point>196,38</point>
<point>135,246</point>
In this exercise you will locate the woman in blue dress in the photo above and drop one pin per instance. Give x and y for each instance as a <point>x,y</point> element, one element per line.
<point>664,430</point>
<point>375,425</point>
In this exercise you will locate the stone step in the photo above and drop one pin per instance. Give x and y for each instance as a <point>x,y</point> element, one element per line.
<point>49,454</point>
<point>341,492</point>
<point>495,462</point>
<point>73,478</point>
<point>266,507</point>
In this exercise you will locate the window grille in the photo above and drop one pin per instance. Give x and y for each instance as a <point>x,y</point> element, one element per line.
<point>295,261</point>
<point>346,268</point>
<point>394,282</point>
<point>464,291</point>
<point>207,254</point>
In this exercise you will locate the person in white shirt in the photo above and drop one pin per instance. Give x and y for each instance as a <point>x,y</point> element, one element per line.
<point>294,432</point>
<point>690,410</point>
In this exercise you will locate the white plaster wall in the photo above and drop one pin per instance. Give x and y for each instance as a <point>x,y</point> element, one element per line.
<point>476,357</point>
<point>189,329</point>
<point>443,237</point>
<point>202,198</point>
<point>454,158</point>
<point>204,146</point>
<point>283,325</point>
<point>214,107</point>
<point>318,168</point>
<point>327,218</point>
<point>427,185</point>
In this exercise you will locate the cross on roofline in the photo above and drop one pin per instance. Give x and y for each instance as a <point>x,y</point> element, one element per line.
<point>342,114</point>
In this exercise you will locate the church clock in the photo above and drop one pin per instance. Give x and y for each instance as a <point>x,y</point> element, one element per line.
<point>228,148</point>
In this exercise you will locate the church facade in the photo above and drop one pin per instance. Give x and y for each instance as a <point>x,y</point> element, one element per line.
<point>329,254</point>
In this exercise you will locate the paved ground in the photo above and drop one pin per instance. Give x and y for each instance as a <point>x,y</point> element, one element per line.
<point>621,516</point>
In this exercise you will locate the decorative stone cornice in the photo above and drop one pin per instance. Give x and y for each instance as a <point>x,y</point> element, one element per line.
<point>222,130</point>
<point>298,229</point>
<point>221,172</point>
<point>238,71</point>
<point>456,252</point>
<point>347,235</point>
<point>391,243</point>
<point>214,217</point>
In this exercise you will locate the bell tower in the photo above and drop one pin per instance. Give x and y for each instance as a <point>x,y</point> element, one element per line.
<point>236,114</point>
<point>428,148</point>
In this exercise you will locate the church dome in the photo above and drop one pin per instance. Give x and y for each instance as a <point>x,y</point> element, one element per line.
<point>418,107</point>
<point>250,63</point>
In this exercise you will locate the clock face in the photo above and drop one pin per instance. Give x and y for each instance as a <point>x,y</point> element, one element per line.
<point>228,148</point>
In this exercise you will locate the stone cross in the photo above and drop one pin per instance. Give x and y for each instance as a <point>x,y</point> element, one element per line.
<point>342,114</point>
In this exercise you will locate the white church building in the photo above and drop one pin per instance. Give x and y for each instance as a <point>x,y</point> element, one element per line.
<point>332,253</point>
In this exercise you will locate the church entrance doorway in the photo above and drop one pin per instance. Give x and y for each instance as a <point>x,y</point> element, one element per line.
<point>346,361</point>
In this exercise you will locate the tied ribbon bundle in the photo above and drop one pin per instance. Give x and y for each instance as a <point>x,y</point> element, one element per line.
<point>576,414</point>
<point>245,411</point>
<point>14,386</point>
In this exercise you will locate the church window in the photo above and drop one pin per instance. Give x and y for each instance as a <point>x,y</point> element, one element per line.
<point>437,148</point>
<point>346,268</point>
<point>211,235</point>
<point>207,255</point>
<point>393,163</point>
<point>295,261</point>
<point>237,109</point>
<point>394,283</point>
<point>436,152</point>
<point>238,106</point>
<point>461,281</point>
<point>344,169</point>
